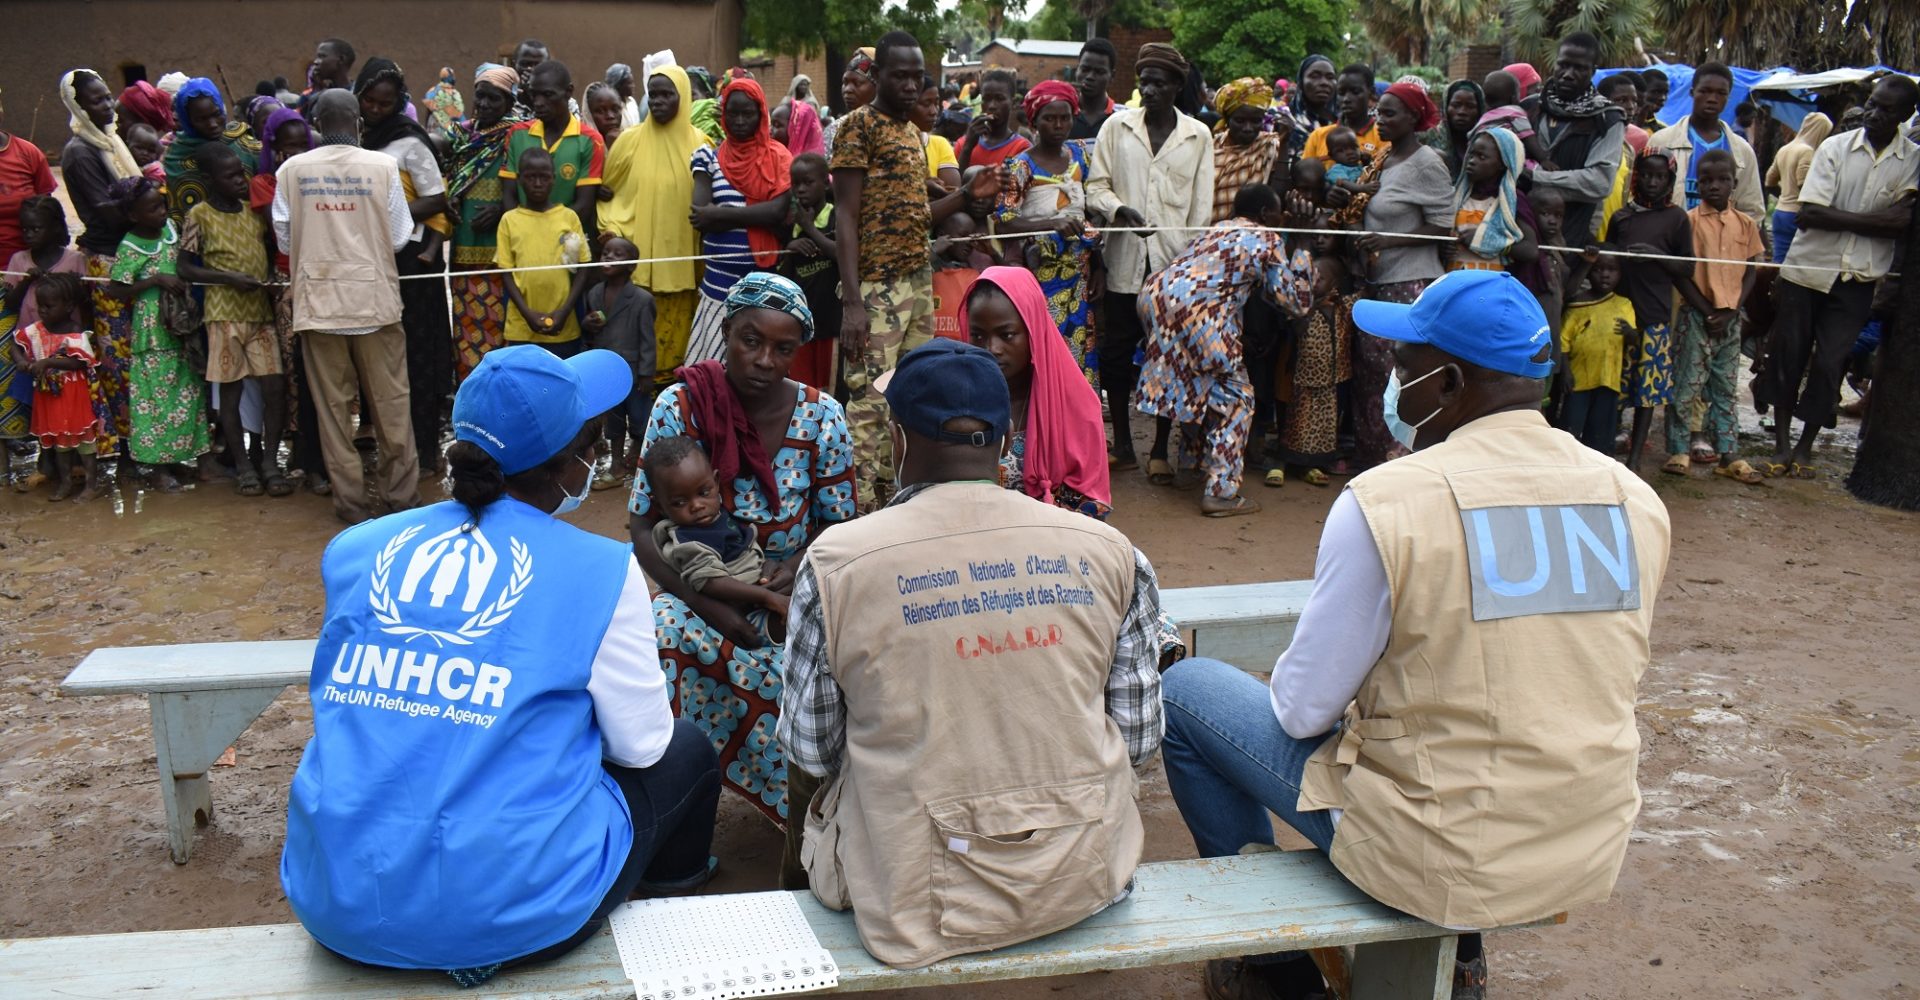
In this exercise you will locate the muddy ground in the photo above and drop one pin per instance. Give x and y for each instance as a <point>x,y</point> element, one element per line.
<point>1777,854</point>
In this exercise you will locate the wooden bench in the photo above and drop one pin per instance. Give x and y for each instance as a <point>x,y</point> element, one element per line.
<point>204,695</point>
<point>1181,911</point>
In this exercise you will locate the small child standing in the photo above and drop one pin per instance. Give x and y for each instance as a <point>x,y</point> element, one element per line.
<point>716,554</point>
<point>812,264</point>
<point>1322,362</point>
<point>1651,224</point>
<point>540,234</point>
<point>57,352</point>
<point>224,245</point>
<point>1707,330</point>
<point>1593,339</point>
<point>620,319</point>
<point>43,228</point>
<point>168,421</point>
<point>1344,160</point>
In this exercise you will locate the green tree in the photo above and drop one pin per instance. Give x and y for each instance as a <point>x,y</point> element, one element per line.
<point>1535,27</point>
<point>1227,39</point>
<point>837,27</point>
<point>1408,29</point>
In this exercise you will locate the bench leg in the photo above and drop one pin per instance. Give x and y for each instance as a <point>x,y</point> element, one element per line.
<point>1404,970</point>
<point>189,732</point>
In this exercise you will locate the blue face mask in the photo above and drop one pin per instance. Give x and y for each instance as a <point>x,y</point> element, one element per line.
<point>1402,431</point>
<point>571,502</point>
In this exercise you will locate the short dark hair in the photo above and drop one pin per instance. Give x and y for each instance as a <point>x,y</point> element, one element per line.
<point>215,154</point>
<point>340,48</point>
<point>1361,70</point>
<point>1584,41</point>
<point>529,43</point>
<point>1651,76</point>
<point>533,154</point>
<point>1612,84</point>
<point>1254,199</point>
<point>1717,156</point>
<point>809,160</point>
<point>666,453</point>
<point>551,67</point>
<point>48,209</point>
<point>1908,89</point>
<point>1102,48</point>
<point>1003,77</point>
<point>890,41</point>
<point>1718,69</point>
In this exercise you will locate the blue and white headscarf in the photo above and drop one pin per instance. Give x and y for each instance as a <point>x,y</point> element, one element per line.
<point>1501,228</point>
<point>761,290</point>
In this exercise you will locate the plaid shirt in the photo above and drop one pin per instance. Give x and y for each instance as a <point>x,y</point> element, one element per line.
<point>813,710</point>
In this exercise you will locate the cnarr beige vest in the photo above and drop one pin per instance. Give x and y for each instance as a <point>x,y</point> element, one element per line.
<point>985,798</point>
<point>339,243</point>
<point>1486,768</point>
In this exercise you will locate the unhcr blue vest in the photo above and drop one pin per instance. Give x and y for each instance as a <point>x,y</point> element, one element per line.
<point>451,810</point>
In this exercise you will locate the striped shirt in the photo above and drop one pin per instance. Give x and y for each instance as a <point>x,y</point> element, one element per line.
<point>721,273</point>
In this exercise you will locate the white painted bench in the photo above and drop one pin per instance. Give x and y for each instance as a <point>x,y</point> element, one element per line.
<point>1181,911</point>
<point>204,695</point>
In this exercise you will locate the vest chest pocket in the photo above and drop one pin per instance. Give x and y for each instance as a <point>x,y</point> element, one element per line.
<point>1028,857</point>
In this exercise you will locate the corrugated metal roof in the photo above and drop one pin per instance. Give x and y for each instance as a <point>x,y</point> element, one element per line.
<point>1038,46</point>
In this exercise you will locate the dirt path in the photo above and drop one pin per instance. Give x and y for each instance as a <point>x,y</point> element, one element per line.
<point>1775,857</point>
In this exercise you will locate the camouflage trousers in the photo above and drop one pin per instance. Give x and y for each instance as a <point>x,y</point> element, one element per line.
<point>900,318</point>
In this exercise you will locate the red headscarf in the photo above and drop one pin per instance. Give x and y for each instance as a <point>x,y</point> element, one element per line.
<point>759,168</point>
<point>803,129</point>
<point>147,104</point>
<point>1048,91</point>
<point>1066,438</point>
<point>1418,101</point>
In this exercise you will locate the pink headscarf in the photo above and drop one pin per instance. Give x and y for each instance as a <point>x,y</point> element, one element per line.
<point>1525,73</point>
<point>1066,438</point>
<point>803,129</point>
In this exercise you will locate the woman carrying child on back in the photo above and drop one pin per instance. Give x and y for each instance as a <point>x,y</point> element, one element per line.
<point>56,351</point>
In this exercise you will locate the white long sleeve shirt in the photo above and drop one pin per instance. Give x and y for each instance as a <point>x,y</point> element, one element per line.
<point>629,690</point>
<point>1343,628</point>
<point>1171,187</point>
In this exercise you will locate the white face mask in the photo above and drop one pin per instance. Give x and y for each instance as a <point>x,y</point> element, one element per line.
<point>899,456</point>
<point>1402,431</point>
<point>571,501</point>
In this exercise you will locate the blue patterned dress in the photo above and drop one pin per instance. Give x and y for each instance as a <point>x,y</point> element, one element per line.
<point>733,694</point>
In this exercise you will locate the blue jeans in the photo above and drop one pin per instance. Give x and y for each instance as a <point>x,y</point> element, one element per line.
<point>1785,224</point>
<point>1229,762</point>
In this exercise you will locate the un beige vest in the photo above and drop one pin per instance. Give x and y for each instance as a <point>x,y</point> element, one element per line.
<point>1486,768</point>
<point>985,798</point>
<point>339,242</point>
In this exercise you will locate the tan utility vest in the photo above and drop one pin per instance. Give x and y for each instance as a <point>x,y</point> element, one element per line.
<point>339,242</point>
<point>1486,768</point>
<point>985,797</point>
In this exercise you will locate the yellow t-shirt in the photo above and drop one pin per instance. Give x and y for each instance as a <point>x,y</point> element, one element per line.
<point>939,154</point>
<point>1316,146</point>
<point>1591,339</point>
<point>531,239</point>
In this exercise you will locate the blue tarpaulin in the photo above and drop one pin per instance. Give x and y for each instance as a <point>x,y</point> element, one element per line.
<point>1680,99</point>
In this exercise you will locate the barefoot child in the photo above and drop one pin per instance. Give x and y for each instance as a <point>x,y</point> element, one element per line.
<point>1593,339</point>
<point>1707,331</point>
<point>540,233</point>
<point>620,319</point>
<point>1651,224</point>
<point>1309,437</point>
<point>168,420</point>
<point>224,246</point>
<point>715,553</point>
<point>57,352</point>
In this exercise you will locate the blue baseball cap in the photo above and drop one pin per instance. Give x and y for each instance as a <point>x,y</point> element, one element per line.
<point>1487,318</point>
<point>522,404</point>
<point>944,379</point>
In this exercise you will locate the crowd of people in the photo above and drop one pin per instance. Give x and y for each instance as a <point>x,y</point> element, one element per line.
<point>781,322</point>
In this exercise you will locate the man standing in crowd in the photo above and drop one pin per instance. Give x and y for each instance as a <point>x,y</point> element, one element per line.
<point>1856,202</point>
<point>1153,167</point>
<point>1092,75</point>
<point>1704,131</point>
<point>1414,717</point>
<point>882,218</point>
<point>334,208</point>
<point>332,66</point>
<point>1000,747</point>
<point>1584,132</point>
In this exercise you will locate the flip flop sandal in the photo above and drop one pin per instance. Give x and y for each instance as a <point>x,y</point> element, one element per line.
<point>1315,477</point>
<point>1241,505</point>
<point>1276,478</point>
<point>1159,472</point>
<point>278,485</point>
<point>248,484</point>
<point>1678,465</point>
<point>1805,471</point>
<point>1740,472</point>
<point>1771,470</point>
<point>605,480</point>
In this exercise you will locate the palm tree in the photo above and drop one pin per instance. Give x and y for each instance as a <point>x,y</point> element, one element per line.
<point>1406,28</point>
<point>1809,35</point>
<point>1536,26</point>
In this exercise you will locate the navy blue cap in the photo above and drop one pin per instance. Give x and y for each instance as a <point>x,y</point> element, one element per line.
<point>522,404</point>
<point>1487,318</point>
<point>944,379</point>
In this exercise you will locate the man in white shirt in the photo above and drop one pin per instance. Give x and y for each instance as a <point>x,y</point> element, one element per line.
<point>333,207</point>
<point>1857,200</point>
<point>1151,167</point>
